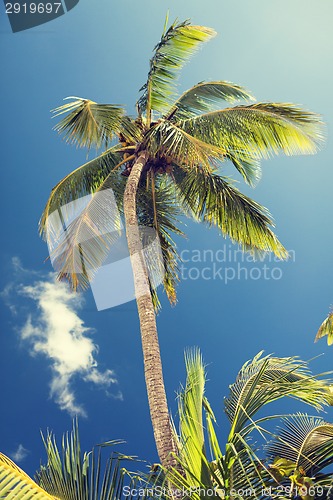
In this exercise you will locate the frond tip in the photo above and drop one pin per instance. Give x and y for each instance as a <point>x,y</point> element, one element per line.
<point>176,46</point>
<point>88,123</point>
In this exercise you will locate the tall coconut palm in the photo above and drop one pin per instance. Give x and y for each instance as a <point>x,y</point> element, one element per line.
<point>255,462</point>
<point>168,161</point>
<point>70,474</point>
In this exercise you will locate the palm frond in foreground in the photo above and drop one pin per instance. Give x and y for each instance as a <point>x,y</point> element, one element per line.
<point>70,474</point>
<point>254,462</point>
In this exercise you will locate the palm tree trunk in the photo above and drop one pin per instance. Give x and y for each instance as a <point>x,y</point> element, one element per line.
<point>151,352</point>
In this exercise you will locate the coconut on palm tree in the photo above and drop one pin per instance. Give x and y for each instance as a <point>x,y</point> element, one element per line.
<point>164,163</point>
<point>255,462</point>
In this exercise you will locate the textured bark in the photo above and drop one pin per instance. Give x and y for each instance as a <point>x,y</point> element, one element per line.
<point>151,352</point>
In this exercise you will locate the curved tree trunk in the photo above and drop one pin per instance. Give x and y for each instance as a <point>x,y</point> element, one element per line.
<point>151,352</point>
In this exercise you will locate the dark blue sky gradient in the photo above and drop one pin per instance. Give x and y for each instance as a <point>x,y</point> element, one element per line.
<point>100,50</point>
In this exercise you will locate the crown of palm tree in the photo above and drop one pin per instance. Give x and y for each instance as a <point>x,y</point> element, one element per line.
<point>187,139</point>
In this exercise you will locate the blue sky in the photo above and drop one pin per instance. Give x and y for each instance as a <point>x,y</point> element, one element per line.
<point>51,366</point>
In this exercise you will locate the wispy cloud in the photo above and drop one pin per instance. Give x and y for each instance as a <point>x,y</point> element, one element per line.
<point>20,454</point>
<point>55,330</point>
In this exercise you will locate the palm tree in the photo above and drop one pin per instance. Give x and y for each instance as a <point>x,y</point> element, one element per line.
<point>71,475</point>
<point>167,162</point>
<point>290,462</point>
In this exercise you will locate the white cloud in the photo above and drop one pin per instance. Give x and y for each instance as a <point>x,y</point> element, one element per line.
<point>20,454</point>
<point>56,331</point>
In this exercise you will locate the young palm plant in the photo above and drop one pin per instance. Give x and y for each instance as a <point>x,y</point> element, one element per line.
<point>71,475</point>
<point>288,463</point>
<point>166,162</point>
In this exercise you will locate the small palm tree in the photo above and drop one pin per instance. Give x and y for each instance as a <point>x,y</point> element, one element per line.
<point>288,463</point>
<point>71,475</point>
<point>168,162</point>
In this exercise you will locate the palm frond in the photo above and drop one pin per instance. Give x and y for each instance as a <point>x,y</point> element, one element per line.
<point>205,96</point>
<point>73,475</point>
<point>266,379</point>
<point>245,471</point>
<point>80,233</point>
<point>167,139</point>
<point>306,441</point>
<point>326,329</point>
<point>196,473</point>
<point>15,484</point>
<point>214,446</point>
<point>87,123</point>
<point>83,181</point>
<point>248,167</point>
<point>176,46</point>
<point>212,199</point>
<point>190,408</point>
<point>258,130</point>
<point>237,470</point>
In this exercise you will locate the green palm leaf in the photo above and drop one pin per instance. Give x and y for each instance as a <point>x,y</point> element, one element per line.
<point>204,97</point>
<point>266,379</point>
<point>245,471</point>
<point>196,473</point>
<point>240,472</point>
<point>80,234</point>
<point>326,329</point>
<point>212,199</point>
<point>237,469</point>
<point>190,406</point>
<point>15,484</point>
<point>176,46</point>
<point>83,181</point>
<point>72,475</point>
<point>161,211</point>
<point>258,130</point>
<point>166,139</point>
<point>87,123</point>
<point>306,441</point>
